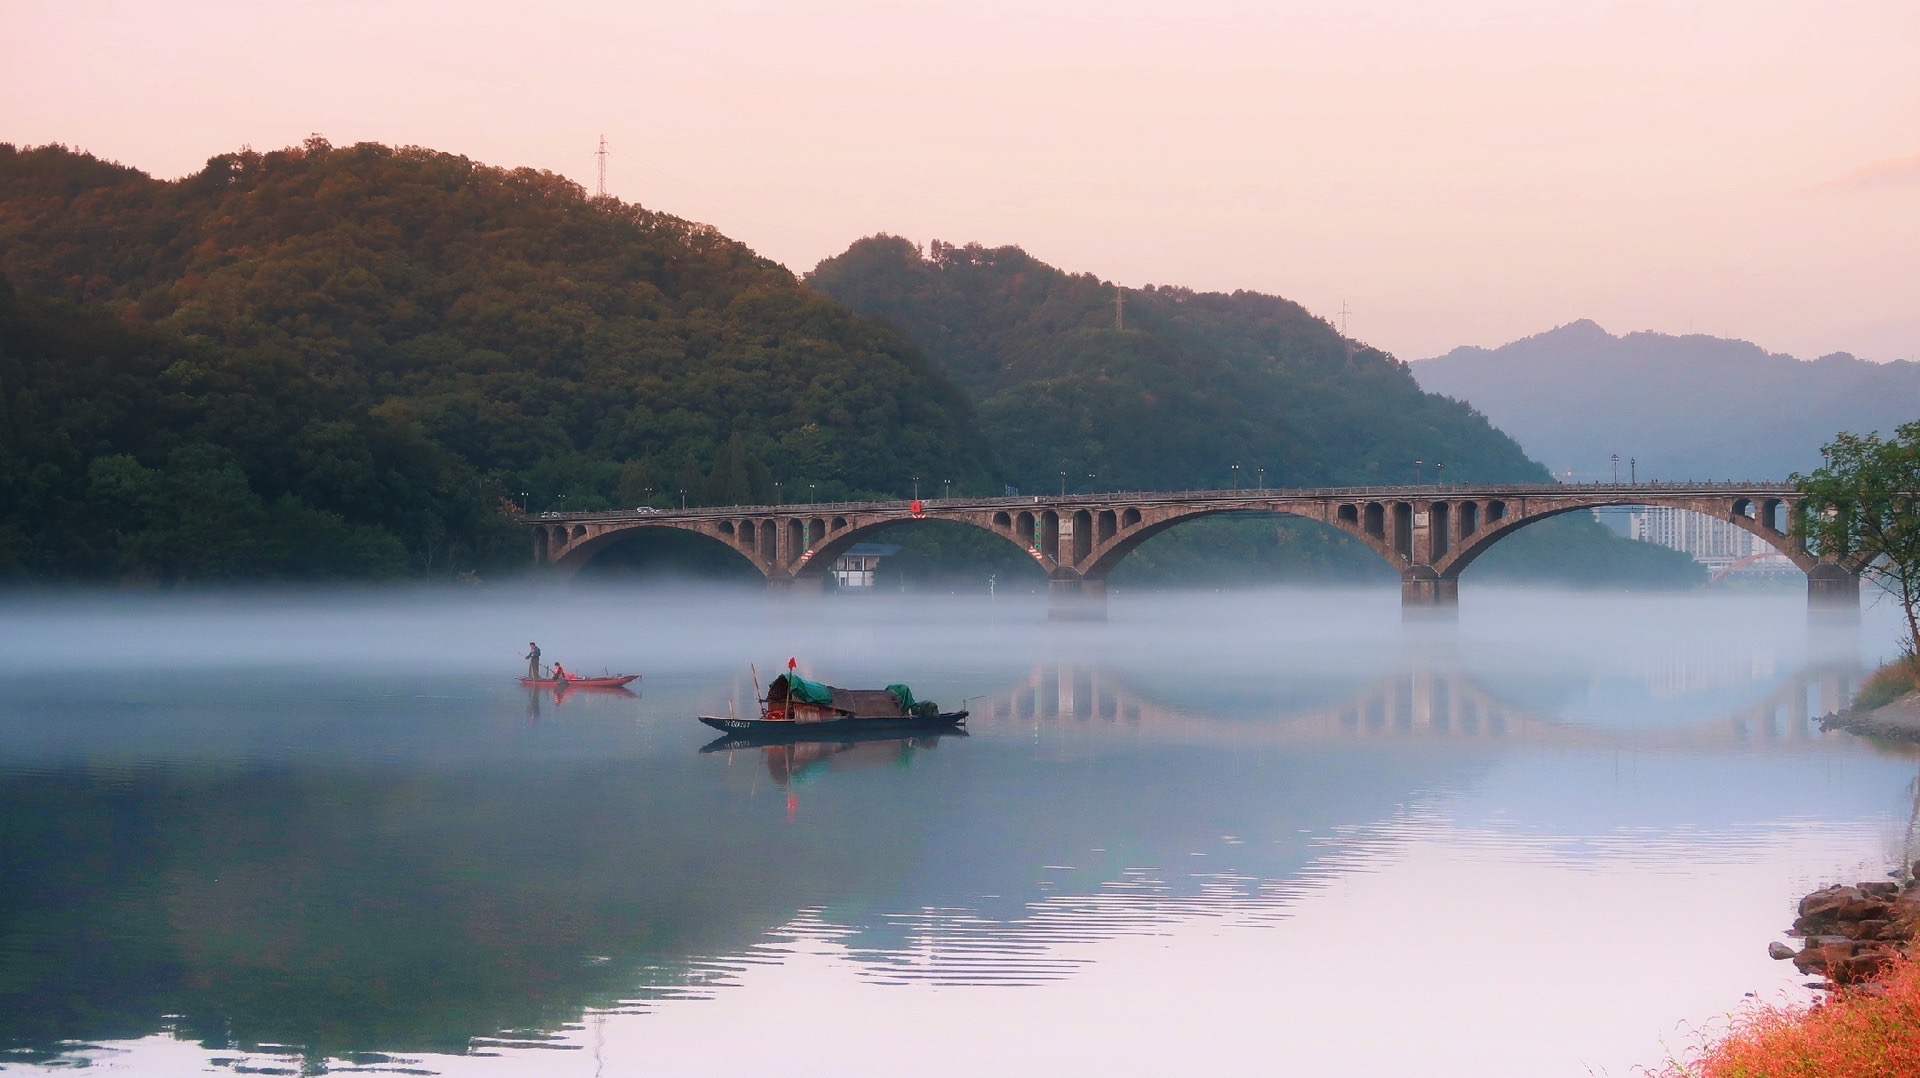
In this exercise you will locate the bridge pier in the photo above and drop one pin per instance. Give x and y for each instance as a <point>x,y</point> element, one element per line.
<point>1833,590</point>
<point>1077,599</point>
<point>809,584</point>
<point>1425,591</point>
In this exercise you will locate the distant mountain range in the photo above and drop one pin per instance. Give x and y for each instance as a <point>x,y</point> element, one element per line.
<point>1693,407</point>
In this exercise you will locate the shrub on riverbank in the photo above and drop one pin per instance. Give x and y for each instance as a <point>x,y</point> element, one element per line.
<point>1889,683</point>
<point>1872,1031</point>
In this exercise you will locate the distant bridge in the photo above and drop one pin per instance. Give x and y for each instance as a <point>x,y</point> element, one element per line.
<point>1429,534</point>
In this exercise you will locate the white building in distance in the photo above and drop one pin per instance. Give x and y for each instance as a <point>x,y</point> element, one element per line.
<point>856,567</point>
<point>1717,544</point>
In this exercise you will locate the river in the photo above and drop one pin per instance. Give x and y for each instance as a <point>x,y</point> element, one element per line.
<point>1241,832</point>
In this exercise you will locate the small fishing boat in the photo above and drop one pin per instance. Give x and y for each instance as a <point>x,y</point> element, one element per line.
<point>608,681</point>
<point>796,709</point>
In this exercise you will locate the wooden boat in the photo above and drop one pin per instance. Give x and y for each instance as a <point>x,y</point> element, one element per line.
<point>610,681</point>
<point>796,709</point>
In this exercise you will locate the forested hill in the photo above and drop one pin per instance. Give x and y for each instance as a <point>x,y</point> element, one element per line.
<point>371,348</point>
<point>1194,383</point>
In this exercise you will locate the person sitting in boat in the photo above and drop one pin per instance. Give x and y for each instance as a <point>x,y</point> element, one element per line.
<point>559,672</point>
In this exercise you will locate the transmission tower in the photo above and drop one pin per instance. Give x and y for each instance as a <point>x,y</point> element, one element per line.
<point>1119,307</point>
<point>602,155</point>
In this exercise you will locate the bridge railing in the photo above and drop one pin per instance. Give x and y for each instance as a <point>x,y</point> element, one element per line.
<point>1157,497</point>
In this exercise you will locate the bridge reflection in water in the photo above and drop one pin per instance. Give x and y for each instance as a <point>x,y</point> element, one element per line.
<point>1424,701</point>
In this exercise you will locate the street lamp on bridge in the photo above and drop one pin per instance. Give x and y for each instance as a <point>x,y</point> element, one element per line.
<point>812,498</point>
<point>1416,470</point>
<point>1439,470</point>
<point>1092,486</point>
<point>1063,484</point>
<point>946,491</point>
<point>1235,469</point>
<point>1263,478</point>
<point>1616,469</point>
<point>776,492</point>
<point>916,488</point>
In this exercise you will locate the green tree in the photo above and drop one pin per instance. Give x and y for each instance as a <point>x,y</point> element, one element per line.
<point>1863,505</point>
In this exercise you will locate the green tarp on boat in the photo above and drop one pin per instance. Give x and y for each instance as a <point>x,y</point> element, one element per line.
<point>894,701</point>
<point>806,692</point>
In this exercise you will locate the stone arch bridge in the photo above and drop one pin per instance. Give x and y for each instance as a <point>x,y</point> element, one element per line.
<point>1429,534</point>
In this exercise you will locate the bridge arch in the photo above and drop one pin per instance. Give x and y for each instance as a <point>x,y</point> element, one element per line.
<point>1107,553</point>
<point>1746,514</point>
<point>575,552</point>
<point>817,563</point>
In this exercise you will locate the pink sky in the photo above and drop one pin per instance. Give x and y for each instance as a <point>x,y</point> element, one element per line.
<point>1465,173</point>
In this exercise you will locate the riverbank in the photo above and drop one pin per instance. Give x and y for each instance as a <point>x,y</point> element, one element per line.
<point>1867,1032</point>
<point>1897,721</point>
<point>1859,939</point>
<point>1887,706</point>
<point>1852,935</point>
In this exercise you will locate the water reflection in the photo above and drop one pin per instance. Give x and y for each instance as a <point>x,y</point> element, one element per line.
<point>560,694</point>
<point>407,868</point>
<point>1431,701</point>
<point>801,760</point>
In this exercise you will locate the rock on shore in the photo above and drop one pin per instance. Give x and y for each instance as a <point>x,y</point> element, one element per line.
<point>1852,933</point>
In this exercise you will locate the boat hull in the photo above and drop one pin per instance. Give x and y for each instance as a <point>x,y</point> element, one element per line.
<point>770,731</point>
<point>579,682</point>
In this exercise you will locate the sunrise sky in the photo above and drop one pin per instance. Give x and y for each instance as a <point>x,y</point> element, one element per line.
<point>1461,173</point>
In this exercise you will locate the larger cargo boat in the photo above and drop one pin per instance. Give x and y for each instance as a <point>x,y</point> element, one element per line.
<point>796,708</point>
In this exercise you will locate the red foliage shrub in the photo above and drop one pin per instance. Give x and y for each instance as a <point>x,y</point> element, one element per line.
<point>1868,1032</point>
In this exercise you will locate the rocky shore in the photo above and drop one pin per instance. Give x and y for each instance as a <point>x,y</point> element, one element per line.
<point>1896,721</point>
<point>1850,935</point>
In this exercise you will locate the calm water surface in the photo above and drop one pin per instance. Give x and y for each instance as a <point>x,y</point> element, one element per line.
<point>1272,832</point>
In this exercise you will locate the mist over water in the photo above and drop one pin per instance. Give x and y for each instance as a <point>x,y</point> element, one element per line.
<point>1226,830</point>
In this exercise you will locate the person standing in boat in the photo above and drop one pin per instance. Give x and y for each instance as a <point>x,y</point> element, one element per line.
<point>533,661</point>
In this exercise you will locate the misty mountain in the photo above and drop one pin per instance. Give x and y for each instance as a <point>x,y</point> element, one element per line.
<point>1693,407</point>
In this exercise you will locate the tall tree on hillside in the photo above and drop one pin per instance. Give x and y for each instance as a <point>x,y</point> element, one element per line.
<point>1865,502</point>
